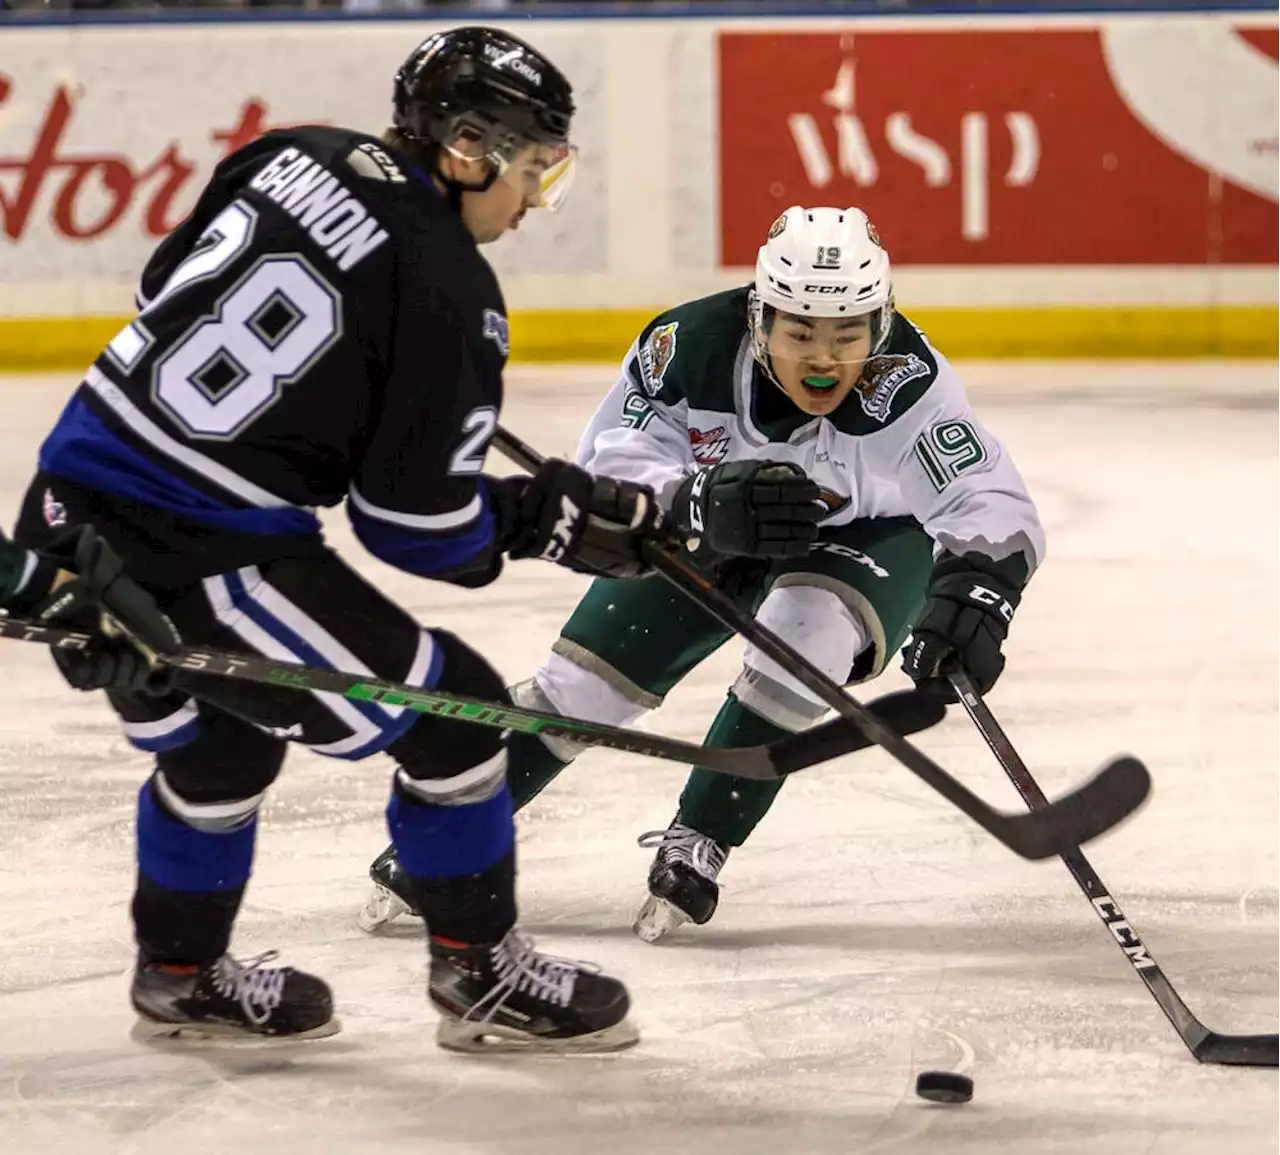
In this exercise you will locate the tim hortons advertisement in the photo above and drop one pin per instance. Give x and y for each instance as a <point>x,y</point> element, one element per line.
<point>106,140</point>
<point>1134,142</point>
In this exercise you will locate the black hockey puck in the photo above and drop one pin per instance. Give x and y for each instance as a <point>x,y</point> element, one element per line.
<point>944,1087</point>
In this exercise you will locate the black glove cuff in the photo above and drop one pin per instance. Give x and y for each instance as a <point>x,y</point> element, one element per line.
<point>1012,572</point>
<point>976,588</point>
<point>505,497</point>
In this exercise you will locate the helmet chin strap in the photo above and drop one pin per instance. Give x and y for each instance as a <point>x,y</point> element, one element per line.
<point>765,361</point>
<point>455,188</point>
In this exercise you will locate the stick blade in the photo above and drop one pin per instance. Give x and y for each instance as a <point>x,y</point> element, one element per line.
<point>903,711</point>
<point>1093,808</point>
<point>1238,1050</point>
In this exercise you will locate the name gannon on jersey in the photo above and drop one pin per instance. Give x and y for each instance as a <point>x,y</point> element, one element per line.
<point>332,215</point>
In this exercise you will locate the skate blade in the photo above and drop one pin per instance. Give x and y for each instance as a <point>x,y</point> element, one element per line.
<point>657,918</point>
<point>475,1037</point>
<point>381,909</point>
<point>157,1031</point>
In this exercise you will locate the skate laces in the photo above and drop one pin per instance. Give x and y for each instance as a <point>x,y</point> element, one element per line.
<point>257,989</point>
<point>522,968</point>
<point>683,844</point>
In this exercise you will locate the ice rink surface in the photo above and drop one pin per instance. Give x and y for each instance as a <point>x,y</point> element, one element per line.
<point>866,931</point>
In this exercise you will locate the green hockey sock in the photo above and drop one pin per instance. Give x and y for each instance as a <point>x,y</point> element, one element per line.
<point>724,807</point>
<point>530,767</point>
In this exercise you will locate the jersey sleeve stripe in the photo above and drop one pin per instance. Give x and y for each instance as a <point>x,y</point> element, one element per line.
<point>455,519</point>
<point>428,555</point>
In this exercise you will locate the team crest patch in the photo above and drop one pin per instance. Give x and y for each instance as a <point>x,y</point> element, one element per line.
<point>776,229</point>
<point>657,354</point>
<point>872,235</point>
<point>882,377</point>
<point>496,330</point>
<point>709,448</point>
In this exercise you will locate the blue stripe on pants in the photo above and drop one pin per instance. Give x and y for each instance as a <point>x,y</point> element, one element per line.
<point>389,729</point>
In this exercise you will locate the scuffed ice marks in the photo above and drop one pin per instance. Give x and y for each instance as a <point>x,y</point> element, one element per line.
<point>862,929</point>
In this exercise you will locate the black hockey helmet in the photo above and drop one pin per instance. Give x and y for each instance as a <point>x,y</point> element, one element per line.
<point>485,85</point>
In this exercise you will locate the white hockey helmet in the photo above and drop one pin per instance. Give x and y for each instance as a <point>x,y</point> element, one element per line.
<point>822,262</point>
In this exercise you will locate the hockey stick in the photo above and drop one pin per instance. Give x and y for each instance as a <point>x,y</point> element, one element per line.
<point>1206,1045</point>
<point>1117,790</point>
<point>905,710</point>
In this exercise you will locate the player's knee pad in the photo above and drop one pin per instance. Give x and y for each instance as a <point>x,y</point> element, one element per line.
<point>824,629</point>
<point>577,682</point>
<point>217,781</point>
<point>446,762</point>
<point>532,696</point>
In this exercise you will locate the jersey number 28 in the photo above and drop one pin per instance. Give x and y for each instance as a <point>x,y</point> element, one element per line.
<point>230,366</point>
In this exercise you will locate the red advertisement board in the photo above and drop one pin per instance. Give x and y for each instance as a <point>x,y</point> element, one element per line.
<point>1006,146</point>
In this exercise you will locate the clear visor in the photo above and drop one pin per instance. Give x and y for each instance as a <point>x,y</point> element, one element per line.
<point>541,173</point>
<point>557,178</point>
<point>816,347</point>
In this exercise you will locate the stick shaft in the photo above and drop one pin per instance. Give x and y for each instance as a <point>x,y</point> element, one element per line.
<point>1096,807</point>
<point>1199,1040</point>
<point>907,711</point>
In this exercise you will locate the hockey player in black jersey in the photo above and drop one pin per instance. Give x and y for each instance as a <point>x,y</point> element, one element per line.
<point>324,330</point>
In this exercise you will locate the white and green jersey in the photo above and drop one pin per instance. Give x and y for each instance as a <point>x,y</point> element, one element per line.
<point>905,441</point>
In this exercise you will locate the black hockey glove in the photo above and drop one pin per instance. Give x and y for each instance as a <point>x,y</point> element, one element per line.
<point>735,577</point>
<point>79,583</point>
<point>748,509</point>
<point>595,525</point>
<point>966,615</point>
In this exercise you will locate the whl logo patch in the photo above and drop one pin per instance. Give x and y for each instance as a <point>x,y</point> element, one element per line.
<point>709,448</point>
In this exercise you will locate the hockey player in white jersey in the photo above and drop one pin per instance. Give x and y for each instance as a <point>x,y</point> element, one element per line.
<point>727,407</point>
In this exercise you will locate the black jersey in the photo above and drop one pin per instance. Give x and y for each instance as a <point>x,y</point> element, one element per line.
<point>322,328</point>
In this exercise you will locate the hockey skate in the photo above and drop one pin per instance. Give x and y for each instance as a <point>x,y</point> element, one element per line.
<point>391,896</point>
<point>682,880</point>
<point>228,999</point>
<point>510,997</point>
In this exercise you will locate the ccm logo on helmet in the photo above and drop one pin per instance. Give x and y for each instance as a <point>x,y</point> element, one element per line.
<point>827,290</point>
